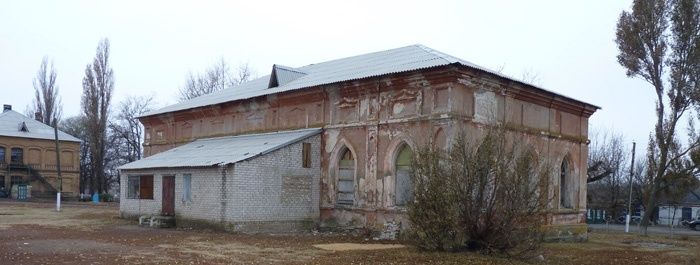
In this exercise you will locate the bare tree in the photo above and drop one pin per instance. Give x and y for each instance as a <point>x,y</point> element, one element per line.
<point>98,85</point>
<point>607,155</point>
<point>127,126</point>
<point>530,76</point>
<point>608,173</point>
<point>217,77</point>
<point>46,106</point>
<point>122,141</point>
<point>654,36</point>
<point>77,127</point>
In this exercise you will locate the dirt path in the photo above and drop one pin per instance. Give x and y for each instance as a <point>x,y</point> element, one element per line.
<point>355,246</point>
<point>33,233</point>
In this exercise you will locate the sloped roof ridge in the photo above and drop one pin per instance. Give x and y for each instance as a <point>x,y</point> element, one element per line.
<point>448,58</point>
<point>370,54</point>
<point>289,68</point>
<point>36,129</point>
<point>397,60</point>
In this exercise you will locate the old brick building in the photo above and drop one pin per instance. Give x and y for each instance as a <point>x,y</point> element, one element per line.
<point>371,110</point>
<point>28,156</point>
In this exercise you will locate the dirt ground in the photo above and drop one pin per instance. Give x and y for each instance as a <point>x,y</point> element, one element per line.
<point>33,233</point>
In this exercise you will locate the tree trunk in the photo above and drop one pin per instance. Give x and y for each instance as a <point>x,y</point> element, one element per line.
<point>650,206</point>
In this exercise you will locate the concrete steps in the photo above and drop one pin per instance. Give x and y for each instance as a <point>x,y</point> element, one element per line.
<point>157,221</point>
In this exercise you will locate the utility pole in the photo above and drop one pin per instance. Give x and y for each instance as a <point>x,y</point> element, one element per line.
<point>629,202</point>
<point>58,166</point>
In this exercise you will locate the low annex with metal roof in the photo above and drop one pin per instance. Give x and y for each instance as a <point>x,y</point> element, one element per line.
<point>222,150</point>
<point>14,124</point>
<point>284,78</point>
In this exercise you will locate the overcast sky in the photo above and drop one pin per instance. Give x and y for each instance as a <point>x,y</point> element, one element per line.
<point>570,46</point>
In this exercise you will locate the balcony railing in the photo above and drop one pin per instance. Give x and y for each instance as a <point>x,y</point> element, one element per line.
<point>53,167</point>
<point>35,166</point>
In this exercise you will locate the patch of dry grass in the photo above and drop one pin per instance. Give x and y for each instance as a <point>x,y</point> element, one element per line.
<point>603,248</point>
<point>355,246</point>
<point>70,216</point>
<point>74,229</point>
<point>241,253</point>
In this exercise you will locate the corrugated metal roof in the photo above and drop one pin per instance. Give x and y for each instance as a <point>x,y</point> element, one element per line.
<point>221,150</point>
<point>11,121</point>
<point>397,60</point>
<point>285,74</point>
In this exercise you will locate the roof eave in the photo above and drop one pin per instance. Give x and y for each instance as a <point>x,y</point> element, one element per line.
<point>311,132</point>
<point>586,109</point>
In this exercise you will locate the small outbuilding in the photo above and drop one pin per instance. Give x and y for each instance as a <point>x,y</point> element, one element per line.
<point>255,182</point>
<point>686,209</point>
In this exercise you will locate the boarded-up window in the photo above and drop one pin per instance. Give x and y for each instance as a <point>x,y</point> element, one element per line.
<point>485,107</point>
<point>346,178</point>
<point>66,158</point>
<point>146,188</point>
<point>306,155</point>
<point>442,97</point>
<point>187,188</point>
<point>34,157</point>
<point>140,187</point>
<point>404,191</point>
<point>50,157</point>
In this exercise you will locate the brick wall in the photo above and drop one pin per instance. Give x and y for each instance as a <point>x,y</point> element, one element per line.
<point>276,186</point>
<point>267,193</point>
<point>135,207</point>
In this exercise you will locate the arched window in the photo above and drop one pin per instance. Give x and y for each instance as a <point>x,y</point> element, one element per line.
<point>346,178</point>
<point>17,156</point>
<point>565,199</point>
<point>404,190</point>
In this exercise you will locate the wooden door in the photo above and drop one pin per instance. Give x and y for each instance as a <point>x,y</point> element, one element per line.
<point>168,196</point>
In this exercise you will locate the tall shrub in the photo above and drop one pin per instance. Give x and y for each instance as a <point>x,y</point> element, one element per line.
<point>489,195</point>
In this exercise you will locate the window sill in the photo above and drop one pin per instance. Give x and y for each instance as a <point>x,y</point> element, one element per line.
<point>566,210</point>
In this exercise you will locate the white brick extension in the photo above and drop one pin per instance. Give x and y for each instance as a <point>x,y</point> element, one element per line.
<point>270,192</point>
